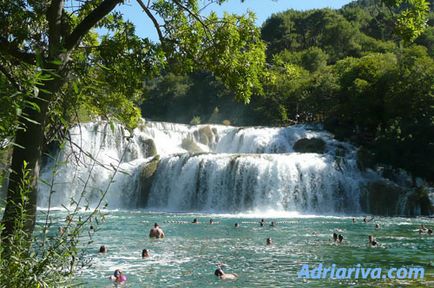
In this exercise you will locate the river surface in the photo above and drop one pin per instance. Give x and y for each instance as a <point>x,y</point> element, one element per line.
<point>189,254</point>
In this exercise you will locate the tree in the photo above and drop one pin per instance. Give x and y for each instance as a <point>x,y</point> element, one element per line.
<point>411,17</point>
<point>56,42</point>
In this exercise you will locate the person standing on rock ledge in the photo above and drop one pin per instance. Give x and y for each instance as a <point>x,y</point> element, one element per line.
<point>156,232</point>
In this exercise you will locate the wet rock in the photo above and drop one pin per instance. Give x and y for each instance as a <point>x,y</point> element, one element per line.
<point>381,197</point>
<point>312,145</point>
<point>365,159</point>
<point>191,146</point>
<point>418,203</point>
<point>384,197</point>
<point>205,135</point>
<point>146,178</point>
<point>150,147</point>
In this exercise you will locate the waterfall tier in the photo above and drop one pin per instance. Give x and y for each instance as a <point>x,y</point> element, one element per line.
<point>204,168</point>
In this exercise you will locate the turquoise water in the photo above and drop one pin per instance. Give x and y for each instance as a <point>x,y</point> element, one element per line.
<point>188,255</point>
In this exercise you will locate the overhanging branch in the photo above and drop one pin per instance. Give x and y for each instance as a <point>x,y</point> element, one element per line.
<point>154,21</point>
<point>90,21</point>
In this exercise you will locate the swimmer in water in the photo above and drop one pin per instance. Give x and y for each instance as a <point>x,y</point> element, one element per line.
<point>237,225</point>
<point>372,242</point>
<point>156,232</point>
<point>335,237</point>
<point>365,220</point>
<point>119,277</point>
<point>429,231</point>
<point>145,253</point>
<point>195,221</point>
<point>225,276</point>
<point>262,223</point>
<point>211,221</point>
<point>103,249</point>
<point>377,226</point>
<point>272,224</point>
<point>269,241</point>
<point>341,238</point>
<point>354,220</point>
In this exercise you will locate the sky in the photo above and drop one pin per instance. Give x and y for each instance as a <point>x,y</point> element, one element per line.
<point>262,8</point>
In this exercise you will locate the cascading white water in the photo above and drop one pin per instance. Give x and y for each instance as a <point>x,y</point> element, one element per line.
<point>207,168</point>
<point>231,182</point>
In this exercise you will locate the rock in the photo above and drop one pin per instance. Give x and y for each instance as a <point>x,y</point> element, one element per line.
<point>418,203</point>
<point>381,197</point>
<point>191,146</point>
<point>386,198</point>
<point>206,135</point>
<point>149,147</point>
<point>341,151</point>
<point>146,178</point>
<point>312,145</point>
<point>365,159</point>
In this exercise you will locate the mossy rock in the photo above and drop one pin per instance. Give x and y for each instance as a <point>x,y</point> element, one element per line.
<point>381,198</point>
<point>150,147</point>
<point>146,178</point>
<point>191,146</point>
<point>206,135</point>
<point>312,145</point>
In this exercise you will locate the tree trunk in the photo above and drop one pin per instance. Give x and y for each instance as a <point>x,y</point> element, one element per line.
<point>29,143</point>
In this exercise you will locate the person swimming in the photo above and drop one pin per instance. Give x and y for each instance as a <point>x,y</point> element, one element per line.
<point>195,221</point>
<point>429,231</point>
<point>269,241</point>
<point>354,220</point>
<point>377,226</point>
<point>372,241</point>
<point>340,238</point>
<point>225,276</point>
<point>262,222</point>
<point>102,249</point>
<point>211,221</point>
<point>365,219</point>
<point>118,277</point>
<point>145,253</point>
<point>335,237</point>
<point>156,232</point>
<point>272,224</point>
<point>237,225</point>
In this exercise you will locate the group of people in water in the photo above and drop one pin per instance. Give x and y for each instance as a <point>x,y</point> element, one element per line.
<point>371,239</point>
<point>157,232</point>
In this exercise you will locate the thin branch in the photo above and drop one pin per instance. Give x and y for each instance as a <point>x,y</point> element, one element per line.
<point>194,15</point>
<point>154,21</point>
<point>90,21</point>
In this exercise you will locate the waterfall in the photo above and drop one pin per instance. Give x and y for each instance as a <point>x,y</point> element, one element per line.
<point>212,168</point>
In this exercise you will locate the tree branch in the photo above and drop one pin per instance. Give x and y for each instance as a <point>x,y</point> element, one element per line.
<point>154,21</point>
<point>8,49</point>
<point>194,15</point>
<point>89,21</point>
<point>54,18</point>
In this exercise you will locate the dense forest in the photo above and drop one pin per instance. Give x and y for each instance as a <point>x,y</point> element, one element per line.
<point>345,68</point>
